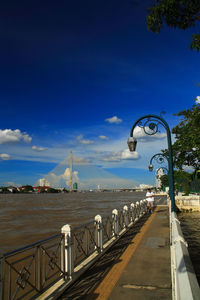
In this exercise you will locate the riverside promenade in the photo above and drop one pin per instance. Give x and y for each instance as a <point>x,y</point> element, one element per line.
<point>131,254</point>
<point>138,266</point>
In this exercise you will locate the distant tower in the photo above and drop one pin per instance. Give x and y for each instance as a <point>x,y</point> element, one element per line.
<point>159,174</point>
<point>70,179</point>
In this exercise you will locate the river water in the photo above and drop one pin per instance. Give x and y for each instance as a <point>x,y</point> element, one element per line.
<point>27,218</point>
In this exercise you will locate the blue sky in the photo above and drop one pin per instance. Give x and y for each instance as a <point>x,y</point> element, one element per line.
<point>77,75</point>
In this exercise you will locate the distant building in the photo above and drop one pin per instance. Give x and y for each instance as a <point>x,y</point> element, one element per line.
<point>143,186</point>
<point>159,174</point>
<point>43,182</point>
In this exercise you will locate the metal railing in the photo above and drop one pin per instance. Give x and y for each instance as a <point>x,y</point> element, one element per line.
<point>84,242</point>
<point>30,270</point>
<point>39,269</point>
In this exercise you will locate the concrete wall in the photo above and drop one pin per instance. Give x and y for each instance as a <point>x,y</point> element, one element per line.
<point>188,203</point>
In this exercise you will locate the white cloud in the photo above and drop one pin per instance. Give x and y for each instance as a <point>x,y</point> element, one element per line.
<point>26,138</point>
<point>4,156</point>
<point>142,134</point>
<point>114,120</point>
<point>38,148</point>
<point>197,99</point>
<point>121,155</point>
<point>126,154</point>
<point>13,136</point>
<point>103,137</point>
<point>87,142</point>
<point>83,141</point>
<point>66,174</point>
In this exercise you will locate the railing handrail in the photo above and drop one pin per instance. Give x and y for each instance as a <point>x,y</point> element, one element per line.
<point>9,253</point>
<point>18,250</point>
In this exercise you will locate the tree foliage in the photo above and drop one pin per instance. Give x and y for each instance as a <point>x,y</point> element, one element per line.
<point>180,14</point>
<point>28,188</point>
<point>3,189</point>
<point>186,148</point>
<point>52,190</point>
<point>182,181</point>
<point>164,181</point>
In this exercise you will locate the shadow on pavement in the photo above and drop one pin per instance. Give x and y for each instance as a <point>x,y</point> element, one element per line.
<point>87,282</point>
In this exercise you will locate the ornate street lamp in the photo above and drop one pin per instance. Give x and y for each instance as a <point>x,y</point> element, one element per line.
<point>132,143</point>
<point>150,168</point>
<point>160,158</point>
<point>150,124</point>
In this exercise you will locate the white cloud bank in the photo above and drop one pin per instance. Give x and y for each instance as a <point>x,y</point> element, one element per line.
<point>38,148</point>
<point>121,155</point>
<point>4,156</point>
<point>13,136</point>
<point>114,120</point>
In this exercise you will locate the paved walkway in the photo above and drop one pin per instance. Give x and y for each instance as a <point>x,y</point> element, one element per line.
<point>143,271</point>
<point>136,267</point>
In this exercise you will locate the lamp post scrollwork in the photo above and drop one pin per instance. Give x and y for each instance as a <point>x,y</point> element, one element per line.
<point>164,169</point>
<point>150,125</point>
<point>159,158</point>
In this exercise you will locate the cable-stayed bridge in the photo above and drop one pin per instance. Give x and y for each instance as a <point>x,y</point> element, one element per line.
<point>87,175</point>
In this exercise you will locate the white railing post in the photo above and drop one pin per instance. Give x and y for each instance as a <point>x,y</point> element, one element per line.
<point>99,232</point>
<point>125,213</point>
<point>137,210</point>
<point>146,207</point>
<point>132,212</point>
<point>68,257</point>
<point>141,207</point>
<point>115,222</point>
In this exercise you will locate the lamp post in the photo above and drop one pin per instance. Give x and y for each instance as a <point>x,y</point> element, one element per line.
<point>150,124</point>
<point>159,158</point>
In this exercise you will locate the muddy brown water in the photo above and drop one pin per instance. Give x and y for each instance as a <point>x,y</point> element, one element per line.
<point>190,225</point>
<point>27,218</point>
